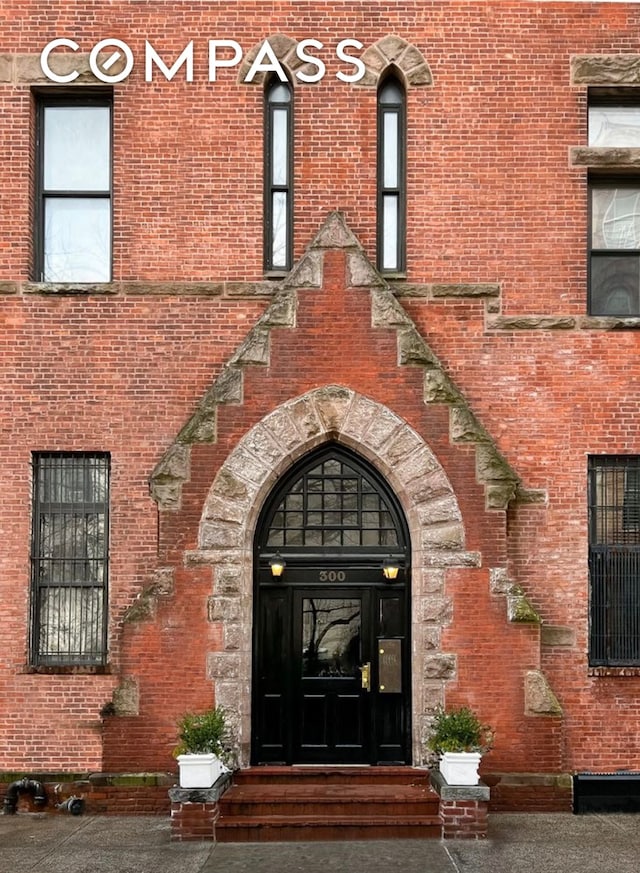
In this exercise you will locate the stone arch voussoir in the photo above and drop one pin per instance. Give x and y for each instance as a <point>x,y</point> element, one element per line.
<point>238,492</point>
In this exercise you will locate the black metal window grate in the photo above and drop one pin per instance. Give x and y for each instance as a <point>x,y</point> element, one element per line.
<point>614,560</point>
<point>69,560</point>
<point>333,504</point>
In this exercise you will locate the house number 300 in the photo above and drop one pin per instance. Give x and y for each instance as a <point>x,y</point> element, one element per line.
<point>332,575</point>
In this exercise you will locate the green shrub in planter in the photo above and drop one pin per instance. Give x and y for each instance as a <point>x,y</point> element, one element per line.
<point>459,730</point>
<point>204,732</point>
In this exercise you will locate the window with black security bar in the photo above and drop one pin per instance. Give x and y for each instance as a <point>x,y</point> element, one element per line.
<point>614,560</point>
<point>69,560</point>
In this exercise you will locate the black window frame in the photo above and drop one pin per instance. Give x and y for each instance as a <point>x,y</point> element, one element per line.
<point>398,191</point>
<point>270,187</point>
<point>372,495</point>
<point>69,546</point>
<point>71,98</point>
<point>611,178</point>
<point>614,560</point>
<point>596,254</point>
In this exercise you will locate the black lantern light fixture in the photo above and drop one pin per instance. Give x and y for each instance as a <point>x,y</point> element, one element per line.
<point>390,568</point>
<point>277,564</point>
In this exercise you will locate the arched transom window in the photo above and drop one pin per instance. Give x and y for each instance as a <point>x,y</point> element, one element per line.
<point>333,501</point>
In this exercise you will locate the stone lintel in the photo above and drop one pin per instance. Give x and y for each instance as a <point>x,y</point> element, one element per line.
<point>562,322</point>
<point>610,69</point>
<point>442,289</point>
<point>607,158</point>
<point>145,289</point>
<point>608,322</point>
<point>466,289</point>
<point>172,289</point>
<point>28,69</point>
<point>71,288</point>
<point>532,322</point>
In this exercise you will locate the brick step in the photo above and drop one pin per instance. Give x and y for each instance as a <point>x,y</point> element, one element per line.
<point>268,804</point>
<point>339,775</point>
<point>295,799</point>
<point>275,828</point>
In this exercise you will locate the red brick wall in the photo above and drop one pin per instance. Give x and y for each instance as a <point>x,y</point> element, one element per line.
<point>491,199</point>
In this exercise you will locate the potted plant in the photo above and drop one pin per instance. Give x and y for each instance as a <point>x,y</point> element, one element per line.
<point>460,739</point>
<point>203,751</point>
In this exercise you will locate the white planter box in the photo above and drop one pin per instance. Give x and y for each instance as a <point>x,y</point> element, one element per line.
<point>200,771</point>
<point>460,768</point>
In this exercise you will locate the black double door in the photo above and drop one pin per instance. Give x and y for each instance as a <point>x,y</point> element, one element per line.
<point>331,672</point>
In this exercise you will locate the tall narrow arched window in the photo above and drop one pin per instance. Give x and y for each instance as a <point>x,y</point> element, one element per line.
<point>278,174</point>
<point>391,176</point>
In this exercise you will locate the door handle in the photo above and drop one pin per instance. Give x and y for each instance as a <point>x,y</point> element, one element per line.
<point>365,670</point>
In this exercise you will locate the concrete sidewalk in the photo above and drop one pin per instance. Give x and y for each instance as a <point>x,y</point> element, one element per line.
<point>559,843</point>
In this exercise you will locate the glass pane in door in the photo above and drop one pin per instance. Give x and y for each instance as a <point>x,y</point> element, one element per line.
<point>331,637</point>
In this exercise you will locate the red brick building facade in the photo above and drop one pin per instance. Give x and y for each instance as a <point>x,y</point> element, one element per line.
<point>253,318</point>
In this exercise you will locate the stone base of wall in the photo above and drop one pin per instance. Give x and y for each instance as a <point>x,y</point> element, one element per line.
<point>195,811</point>
<point>100,793</point>
<point>530,792</point>
<point>464,809</point>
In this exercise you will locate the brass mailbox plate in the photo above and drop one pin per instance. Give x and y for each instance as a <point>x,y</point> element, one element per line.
<point>390,666</point>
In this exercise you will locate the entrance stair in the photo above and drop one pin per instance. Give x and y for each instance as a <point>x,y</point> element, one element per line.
<point>287,804</point>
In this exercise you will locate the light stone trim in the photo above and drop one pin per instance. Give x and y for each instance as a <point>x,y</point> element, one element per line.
<point>441,289</point>
<point>230,513</point>
<point>532,322</point>
<point>389,51</point>
<point>502,484</point>
<point>519,609</point>
<point>126,697</point>
<point>611,158</point>
<point>557,635</point>
<point>145,606</point>
<point>26,69</point>
<point>610,69</point>
<point>539,699</point>
<point>148,289</point>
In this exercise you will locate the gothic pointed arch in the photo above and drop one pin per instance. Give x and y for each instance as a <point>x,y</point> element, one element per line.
<point>230,514</point>
<point>405,58</point>
<point>391,50</point>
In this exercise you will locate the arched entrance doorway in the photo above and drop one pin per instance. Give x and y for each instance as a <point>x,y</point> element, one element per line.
<point>331,655</point>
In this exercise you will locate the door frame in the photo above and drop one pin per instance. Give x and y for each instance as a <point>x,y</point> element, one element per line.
<point>337,569</point>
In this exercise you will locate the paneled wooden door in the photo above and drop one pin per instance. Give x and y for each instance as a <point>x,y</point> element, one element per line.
<point>331,648</point>
<point>331,677</point>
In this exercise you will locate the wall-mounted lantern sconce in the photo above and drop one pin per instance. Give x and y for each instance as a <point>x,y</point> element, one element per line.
<point>277,565</point>
<point>390,569</point>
